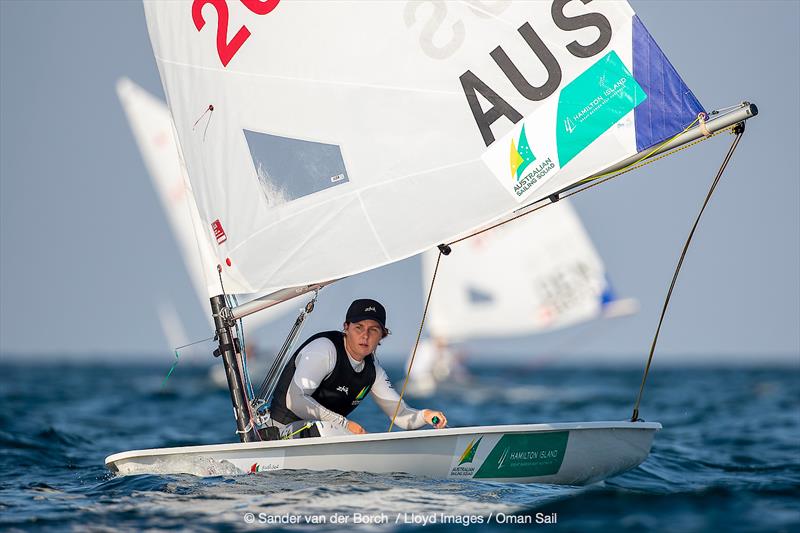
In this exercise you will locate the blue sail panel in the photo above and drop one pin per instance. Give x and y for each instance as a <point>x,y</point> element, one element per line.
<point>670,105</point>
<point>608,295</point>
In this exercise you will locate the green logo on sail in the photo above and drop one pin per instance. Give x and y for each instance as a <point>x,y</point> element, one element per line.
<point>592,103</point>
<point>521,155</point>
<point>469,452</point>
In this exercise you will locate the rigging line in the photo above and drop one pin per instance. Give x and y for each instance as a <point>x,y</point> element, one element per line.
<point>419,334</point>
<point>597,180</point>
<point>700,117</point>
<point>738,131</point>
<point>243,346</point>
<point>236,353</point>
<point>293,433</point>
<point>724,110</point>
<point>209,109</point>
<point>177,358</point>
<point>642,161</point>
<point>264,392</point>
<point>233,301</point>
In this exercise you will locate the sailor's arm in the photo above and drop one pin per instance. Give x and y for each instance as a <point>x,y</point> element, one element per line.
<point>407,418</point>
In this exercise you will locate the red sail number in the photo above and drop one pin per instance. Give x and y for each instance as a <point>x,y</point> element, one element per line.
<point>260,7</point>
<point>227,49</point>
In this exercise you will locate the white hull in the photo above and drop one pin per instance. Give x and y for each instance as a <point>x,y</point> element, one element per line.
<point>564,454</point>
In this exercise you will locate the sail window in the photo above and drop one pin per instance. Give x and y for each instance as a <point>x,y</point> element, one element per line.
<point>289,168</point>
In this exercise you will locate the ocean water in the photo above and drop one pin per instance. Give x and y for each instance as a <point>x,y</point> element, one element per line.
<point>728,457</point>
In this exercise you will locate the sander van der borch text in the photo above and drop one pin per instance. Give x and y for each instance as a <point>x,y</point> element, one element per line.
<point>419,519</point>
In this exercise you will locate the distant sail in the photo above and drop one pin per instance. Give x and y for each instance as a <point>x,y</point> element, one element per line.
<point>151,124</point>
<point>397,120</point>
<point>535,274</point>
<point>152,127</point>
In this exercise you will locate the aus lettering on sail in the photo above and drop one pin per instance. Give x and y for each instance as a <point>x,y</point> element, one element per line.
<point>500,107</point>
<point>587,89</point>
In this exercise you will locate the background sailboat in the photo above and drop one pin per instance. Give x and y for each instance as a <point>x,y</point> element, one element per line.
<point>535,275</point>
<point>316,154</point>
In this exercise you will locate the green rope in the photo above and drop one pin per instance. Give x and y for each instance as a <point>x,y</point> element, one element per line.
<point>178,359</point>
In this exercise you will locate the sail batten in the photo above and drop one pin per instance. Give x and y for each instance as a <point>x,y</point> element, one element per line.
<point>349,135</point>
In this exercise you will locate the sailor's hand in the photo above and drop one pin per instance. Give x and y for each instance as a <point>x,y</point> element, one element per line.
<point>435,418</point>
<point>355,428</point>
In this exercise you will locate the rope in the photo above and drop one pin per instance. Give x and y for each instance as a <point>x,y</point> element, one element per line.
<point>419,334</point>
<point>209,109</point>
<point>646,159</point>
<point>293,433</point>
<point>703,128</point>
<point>738,131</point>
<point>602,178</point>
<point>243,346</point>
<point>278,364</point>
<point>244,377</point>
<point>177,358</point>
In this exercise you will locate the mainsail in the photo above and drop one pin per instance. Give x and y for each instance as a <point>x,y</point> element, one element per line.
<point>152,127</point>
<point>328,138</point>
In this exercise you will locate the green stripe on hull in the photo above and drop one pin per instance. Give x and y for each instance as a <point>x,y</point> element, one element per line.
<point>525,455</point>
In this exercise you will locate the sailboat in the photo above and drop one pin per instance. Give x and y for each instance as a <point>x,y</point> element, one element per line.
<point>495,287</point>
<point>325,139</point>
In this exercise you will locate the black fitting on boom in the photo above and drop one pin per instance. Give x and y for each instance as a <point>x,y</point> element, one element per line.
<point>445,249</point>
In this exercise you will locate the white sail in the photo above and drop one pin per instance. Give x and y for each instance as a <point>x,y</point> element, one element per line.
<point>152,127</point>
<point>327,138</point>
<point>532,275</point>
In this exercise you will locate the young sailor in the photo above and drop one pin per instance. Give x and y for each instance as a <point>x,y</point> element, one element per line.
<point>332,372</point>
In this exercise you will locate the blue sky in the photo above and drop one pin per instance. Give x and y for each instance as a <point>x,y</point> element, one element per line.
<point>86,254</point>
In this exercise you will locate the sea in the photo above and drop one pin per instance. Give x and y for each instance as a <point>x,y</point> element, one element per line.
<point>727,458</point>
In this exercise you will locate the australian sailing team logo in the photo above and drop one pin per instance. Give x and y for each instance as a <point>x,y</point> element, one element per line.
<point>463,466</point>
<point>361,394</point>
<point>469,452</point>
<point>521,155</point>
<point>522,159</point>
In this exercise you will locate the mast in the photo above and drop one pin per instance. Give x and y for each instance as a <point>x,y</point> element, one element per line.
<point>233,371</point>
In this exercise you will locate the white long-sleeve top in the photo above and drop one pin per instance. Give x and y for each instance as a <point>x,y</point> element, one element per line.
<point>315,362</point>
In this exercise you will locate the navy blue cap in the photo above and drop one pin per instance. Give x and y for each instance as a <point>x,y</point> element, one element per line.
<point>366,309</point>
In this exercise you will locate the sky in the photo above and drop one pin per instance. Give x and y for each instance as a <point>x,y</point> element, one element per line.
<point>86,255</point>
